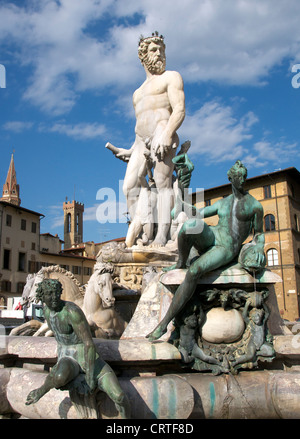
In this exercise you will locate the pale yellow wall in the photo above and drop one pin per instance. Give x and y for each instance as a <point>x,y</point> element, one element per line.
<point>51,244</point>
<point>25,241</point>
<point>17,240</point>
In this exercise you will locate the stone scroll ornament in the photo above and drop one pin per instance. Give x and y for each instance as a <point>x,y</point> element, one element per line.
<point>224,331</point>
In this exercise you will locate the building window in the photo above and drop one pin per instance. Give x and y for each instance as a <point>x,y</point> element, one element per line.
<point>6,286</point>
<point>292,190</point>
<point>66,267</point>
<point>33,227</point>
<point>23,224</point>
<point>21,265</point>
<point>31,267</point>
<point>87,271</point>
<point>20,287</point>
<point>269,223</point>
<point>77,223</point>
<point>267,191</point>
<point>76,269</point>
<point>272,257</point>
<point>33,246</point>
<point>296,223</point>
<point>69,223</point>
<point>6,259</point>
<point>8,220</point>
<point>35,266</point>
<point>207,203</point>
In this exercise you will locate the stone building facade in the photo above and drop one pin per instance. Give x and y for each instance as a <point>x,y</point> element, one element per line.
<point>24,250</point>
<point>20,245</point>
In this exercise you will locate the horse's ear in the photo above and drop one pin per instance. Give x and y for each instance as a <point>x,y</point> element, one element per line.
<point>104,267</point>
<point>110,268</point>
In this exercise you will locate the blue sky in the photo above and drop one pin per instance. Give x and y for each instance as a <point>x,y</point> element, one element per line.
<point>72,67</point>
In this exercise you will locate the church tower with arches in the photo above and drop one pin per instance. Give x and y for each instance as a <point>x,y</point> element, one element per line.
<point>73,223</point>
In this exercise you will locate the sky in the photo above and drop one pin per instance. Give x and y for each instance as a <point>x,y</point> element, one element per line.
<point>69,68</point>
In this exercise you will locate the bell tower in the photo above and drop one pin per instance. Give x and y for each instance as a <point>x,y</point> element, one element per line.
<point>11,190</point>
<point>73,223</point>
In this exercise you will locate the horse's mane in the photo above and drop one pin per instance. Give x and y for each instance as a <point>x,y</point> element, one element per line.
<point>104,267</point>
<point>57,270</point>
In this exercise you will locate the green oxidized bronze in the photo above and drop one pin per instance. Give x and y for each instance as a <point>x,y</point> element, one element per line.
<point>79,367</point>
<point>240,214</point>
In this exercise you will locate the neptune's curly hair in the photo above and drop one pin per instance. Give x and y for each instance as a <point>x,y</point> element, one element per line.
<point>237,168</point>
<point>47,285</point>
<point>144,43</point>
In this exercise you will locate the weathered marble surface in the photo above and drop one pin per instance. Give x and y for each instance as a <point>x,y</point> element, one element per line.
<point>287,346</point>
<point>157,297</point>
<point>233,274</point>
<point>249,395</point>
<point>44,349</point>
<point>223,326</point>
<point>168,397</point>
<point>150,309</point>
<point>118,253</point>
<point>255,394</point>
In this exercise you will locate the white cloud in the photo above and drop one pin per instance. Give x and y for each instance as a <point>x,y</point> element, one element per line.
<point>51,37</point>
<point>278,153</point>
<point>81,131</point>
<point>232,41</point>
<point>235,42</point>
<point>17,126</point>
<point>57,222</point>
<point>54,216</point>
<point>216,133</point>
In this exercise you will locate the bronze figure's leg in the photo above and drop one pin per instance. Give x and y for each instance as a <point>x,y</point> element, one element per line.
<point>109,384</point>
<point>212,259</point>
<point>61,374</point>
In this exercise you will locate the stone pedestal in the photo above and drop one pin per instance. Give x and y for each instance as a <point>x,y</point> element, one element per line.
<point>130,264</point>
<point>157,382</point>
<point>261,394</point>
<point>158,295</point>
<point>133,269</point>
